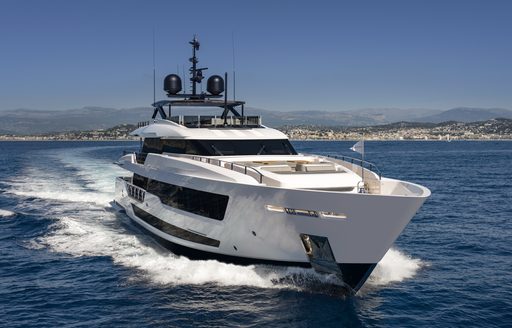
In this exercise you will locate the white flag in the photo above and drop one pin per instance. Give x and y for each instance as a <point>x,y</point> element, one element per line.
<point>358,147</point>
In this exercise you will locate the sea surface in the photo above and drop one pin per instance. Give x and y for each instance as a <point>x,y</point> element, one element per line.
<point>68,259</point>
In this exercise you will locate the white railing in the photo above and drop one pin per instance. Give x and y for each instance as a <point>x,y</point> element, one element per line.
<point>247,170</point>
<point>135,192</point>
<point>199,121</point>
<point>372,174</point>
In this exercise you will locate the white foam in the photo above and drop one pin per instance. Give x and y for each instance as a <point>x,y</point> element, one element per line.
<point>395,266</point>
<point>39,184</point>
<point>97,174</point>
<point>51,183</point>
<point>81,237</point>
<point>6,213</point>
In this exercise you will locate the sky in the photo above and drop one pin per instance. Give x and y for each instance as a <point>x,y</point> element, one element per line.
<point>287,55</point>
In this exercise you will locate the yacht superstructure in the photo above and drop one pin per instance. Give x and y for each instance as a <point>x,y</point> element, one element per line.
<point>229,188</point>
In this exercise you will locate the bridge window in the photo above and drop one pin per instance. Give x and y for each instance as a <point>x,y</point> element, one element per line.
<point>219,147</point>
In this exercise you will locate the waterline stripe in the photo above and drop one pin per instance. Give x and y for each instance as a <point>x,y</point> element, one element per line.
<point>172,229</point>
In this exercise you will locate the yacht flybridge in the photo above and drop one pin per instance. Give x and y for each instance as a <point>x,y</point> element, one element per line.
<point>226,187</point>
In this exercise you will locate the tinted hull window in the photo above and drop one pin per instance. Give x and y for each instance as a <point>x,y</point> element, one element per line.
<point>202,203</point>
<point>152,145</point>
<point>140,181</point>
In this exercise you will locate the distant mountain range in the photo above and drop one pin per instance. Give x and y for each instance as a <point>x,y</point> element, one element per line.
<point>31,122</point>
<point>464,114</point>
<point>360,117</point>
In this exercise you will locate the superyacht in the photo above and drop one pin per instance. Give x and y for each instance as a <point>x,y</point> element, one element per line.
<point>226,187</point>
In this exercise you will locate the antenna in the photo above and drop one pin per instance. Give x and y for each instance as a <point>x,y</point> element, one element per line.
<point>154,70</point>
<point>225,98</point>
<point>234,76</point>
<point>183,77</point>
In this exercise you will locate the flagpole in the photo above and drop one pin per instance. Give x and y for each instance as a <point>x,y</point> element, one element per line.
<point>359,148</point>
<point>362,164</point>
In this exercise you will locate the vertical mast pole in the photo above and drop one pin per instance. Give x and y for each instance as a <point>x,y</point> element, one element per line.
<point>234,76</point>
<point>195,46</point>
<point>194,66</point>
<point>154,70</point>
<point>225,98</point>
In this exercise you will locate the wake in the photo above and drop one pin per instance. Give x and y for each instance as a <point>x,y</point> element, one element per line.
<point>85,225</point>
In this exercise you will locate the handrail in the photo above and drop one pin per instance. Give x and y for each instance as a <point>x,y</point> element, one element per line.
<point>246,169</point>
<point>210,160</point>
<point>369,166</point>
<point>208,121</point>
<point>135,192</point>
<point>139,156</point>
<point>142,124</point>
<point>231,166</point>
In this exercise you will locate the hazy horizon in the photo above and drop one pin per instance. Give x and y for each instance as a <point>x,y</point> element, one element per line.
<point>267,109</point>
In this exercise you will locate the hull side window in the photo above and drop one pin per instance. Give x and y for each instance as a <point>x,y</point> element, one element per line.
<point>140,181</point>
<point>202,203</point>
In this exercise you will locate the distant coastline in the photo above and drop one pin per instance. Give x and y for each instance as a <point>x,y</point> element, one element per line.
<point>327,140</point>
<point>495,129</point>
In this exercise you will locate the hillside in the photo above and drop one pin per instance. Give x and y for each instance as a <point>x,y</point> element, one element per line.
<point>33,122</point>
<point>466,114</point>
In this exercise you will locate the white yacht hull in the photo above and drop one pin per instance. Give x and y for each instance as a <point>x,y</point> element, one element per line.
<point>252,231</point>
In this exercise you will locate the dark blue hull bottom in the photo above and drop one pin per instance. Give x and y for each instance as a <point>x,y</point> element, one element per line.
<point>354,274</point>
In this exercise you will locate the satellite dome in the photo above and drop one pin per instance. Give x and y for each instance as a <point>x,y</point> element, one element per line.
<point>215,85</point>
<point>172,84</point>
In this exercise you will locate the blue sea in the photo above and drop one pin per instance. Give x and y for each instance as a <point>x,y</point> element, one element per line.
<point>68,259</point>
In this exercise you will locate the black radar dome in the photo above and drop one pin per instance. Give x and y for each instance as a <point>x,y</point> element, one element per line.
<point>172,84</point>
<point>215,85</point>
